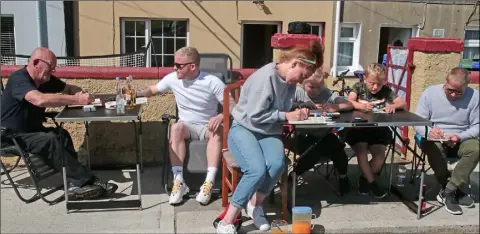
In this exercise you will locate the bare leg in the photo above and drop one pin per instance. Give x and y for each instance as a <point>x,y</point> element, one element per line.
<point>214,147</point>
<point>179,133</point>
<point>361,150</point>
<point>378,157</point>
<point>232,213</point>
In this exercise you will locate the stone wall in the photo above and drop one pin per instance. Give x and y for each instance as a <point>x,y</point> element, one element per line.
<point>113,142</point>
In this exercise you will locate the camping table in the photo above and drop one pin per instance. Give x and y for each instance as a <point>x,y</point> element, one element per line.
<point>76,114</point>
<point>345,120</point>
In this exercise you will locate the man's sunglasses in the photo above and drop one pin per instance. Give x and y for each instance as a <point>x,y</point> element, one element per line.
<point>50,66</point>
<point>180,66</point>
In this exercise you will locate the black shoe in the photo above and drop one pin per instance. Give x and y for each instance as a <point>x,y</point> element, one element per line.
<point>464,200</point>
<point>451,204</point>
<point>377,191</point>
<point>85,192</point>
<point>109,188</point>
<point>343,185</point>
<point>363,188</point>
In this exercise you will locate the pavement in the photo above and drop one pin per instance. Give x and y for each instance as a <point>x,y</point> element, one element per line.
<point>348,214</point>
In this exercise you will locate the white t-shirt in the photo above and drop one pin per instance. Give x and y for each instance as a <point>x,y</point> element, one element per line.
<point>197,99</point>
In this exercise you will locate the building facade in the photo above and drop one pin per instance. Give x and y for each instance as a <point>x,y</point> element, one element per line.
<point>242,29</point>
<point>19,30</point>
<point>368,27</point>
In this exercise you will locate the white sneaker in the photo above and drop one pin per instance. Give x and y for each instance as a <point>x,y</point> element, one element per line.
<point>258,217</point>
<point>205,193</point>
<point>226,228</point>
<point>179,190</point>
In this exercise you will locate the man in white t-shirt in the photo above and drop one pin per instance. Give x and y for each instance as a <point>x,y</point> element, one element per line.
<point>197,95</point>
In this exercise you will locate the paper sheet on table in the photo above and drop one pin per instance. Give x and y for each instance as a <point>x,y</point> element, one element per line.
<point>141,100</point>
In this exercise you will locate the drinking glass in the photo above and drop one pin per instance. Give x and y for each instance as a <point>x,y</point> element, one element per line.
<point>279,227</point>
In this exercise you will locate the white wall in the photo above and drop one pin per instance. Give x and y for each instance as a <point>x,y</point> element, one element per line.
<point>25,20</point>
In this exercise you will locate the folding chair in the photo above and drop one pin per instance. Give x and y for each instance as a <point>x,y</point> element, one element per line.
<point>36,165</point>
<point>195,163</point>
<point>231,172</point>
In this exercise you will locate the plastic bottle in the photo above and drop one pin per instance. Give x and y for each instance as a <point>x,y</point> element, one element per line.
<point>401,175</point>
<point>130,92</point>
<point>119,99</point>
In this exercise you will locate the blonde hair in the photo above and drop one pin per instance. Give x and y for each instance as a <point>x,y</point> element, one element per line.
<point>310,56</point>
<point>376,70</point>
<point>190,52</point>
<point>459,75</point>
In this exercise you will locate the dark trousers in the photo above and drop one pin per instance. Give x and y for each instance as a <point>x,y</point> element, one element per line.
<point>48,144</point>
<point>329,146</point>
<point>437,154</point>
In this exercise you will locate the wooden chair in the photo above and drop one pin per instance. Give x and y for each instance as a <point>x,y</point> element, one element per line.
<point>231,172</point>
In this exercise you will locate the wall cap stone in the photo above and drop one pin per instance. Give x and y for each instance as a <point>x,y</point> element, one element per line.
<point>282,41</point>
<point>435,44</point>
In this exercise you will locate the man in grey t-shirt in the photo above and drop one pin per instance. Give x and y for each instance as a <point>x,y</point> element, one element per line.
<point>313,93</point>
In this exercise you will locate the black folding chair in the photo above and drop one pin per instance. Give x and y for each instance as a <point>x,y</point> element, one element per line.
<point>195,163</point>
<point>37,167</point>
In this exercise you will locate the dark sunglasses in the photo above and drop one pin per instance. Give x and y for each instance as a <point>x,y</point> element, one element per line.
<point>180,66</point>
<point>50,66</point>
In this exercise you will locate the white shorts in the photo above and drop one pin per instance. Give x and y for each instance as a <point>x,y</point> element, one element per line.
<point>197,131</point>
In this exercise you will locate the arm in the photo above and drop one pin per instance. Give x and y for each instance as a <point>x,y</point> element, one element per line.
<point>51,100</point>
<point>352,98</point>
<point>395,101</point>
<point>474,130</point>
<point>398,103</point>
<point>217,87</point>
<point>148,92</point>
<point>259,108</point>
<point>162,86</point>
<point>423,110</point>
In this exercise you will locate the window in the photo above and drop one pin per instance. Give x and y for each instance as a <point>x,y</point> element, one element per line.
<point>438,32</point>
<point>167,36</point>
<point>472,44</point>
<point>348,47</point>
<point>7,36</point>
<point>316,29</point>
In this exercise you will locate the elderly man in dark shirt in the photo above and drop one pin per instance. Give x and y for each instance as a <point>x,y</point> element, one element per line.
<point>28,92</point>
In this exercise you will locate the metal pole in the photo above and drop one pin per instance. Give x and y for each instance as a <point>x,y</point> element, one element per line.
<point>42,27</point>
<point>336,37</point>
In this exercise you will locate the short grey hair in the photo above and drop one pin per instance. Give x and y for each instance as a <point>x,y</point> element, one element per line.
<point>459,75</point>
<point>190,52</point>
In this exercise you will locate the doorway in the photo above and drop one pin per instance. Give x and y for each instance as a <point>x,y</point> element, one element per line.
<point>394,36</point>
<point>256,48</point>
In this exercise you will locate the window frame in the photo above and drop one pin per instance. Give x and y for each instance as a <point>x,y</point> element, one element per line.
<point>356,46</point>
<point>148,35</point>
<point>471,43</point>
<point>14,30</point>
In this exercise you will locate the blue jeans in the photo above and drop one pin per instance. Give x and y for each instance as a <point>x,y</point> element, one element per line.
<point>261,159</point>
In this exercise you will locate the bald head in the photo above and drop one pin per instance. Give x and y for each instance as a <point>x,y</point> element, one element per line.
<point>44,54</point>
<point>41,64</point>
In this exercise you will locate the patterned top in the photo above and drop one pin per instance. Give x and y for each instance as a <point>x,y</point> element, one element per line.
<point>380,98</point>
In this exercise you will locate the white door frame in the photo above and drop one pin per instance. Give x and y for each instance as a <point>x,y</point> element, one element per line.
<point>243,22</point>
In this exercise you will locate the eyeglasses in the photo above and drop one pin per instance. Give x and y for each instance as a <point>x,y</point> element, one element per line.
<point>50,66</point>
<point>451,91</point>
<point>180,66</point>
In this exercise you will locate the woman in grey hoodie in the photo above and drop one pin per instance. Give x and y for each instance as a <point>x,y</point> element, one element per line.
<point>254,138</point>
